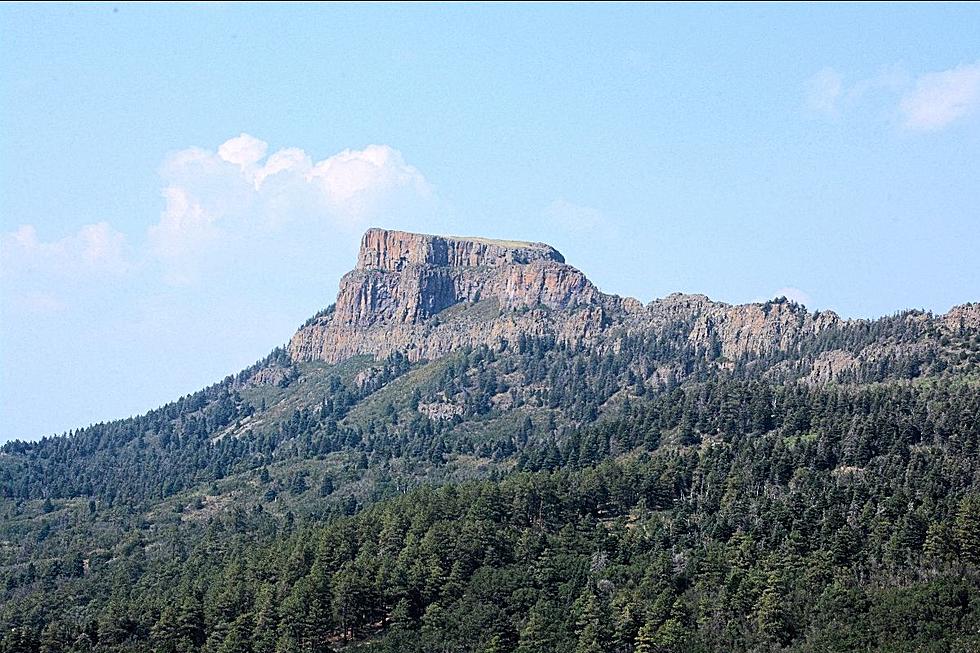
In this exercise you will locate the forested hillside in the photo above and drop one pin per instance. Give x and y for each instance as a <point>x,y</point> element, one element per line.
<point>683,477</point>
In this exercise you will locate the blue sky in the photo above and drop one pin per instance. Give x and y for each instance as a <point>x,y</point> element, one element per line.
<point>180,187</point>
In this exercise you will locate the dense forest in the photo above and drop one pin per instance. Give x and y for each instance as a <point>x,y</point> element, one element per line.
<point>528,498</point>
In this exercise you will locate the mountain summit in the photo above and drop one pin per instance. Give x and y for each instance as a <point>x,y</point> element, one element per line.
<point>604,462</point>
<point>393,250</point>
<point>426,296</point>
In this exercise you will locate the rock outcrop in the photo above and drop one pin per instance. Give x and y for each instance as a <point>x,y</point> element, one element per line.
<point>403,282</point>
<point>426,296</point>
<point>965,317</point>
<point>405,278</point>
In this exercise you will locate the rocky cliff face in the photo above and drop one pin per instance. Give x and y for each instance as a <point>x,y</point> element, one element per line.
<point>393,251</point>
<point>962,318</point>
<point>404,278</point>
<point>403,283</point>
<point>426,296</point>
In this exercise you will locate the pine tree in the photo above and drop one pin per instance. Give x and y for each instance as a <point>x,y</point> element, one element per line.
<point>401,616</point>
<point>239,637</point>
<point>591,624</point>
<point>266,620</point>
<point>353,599</point>
<point>538,635</point>
<point>940,542</point>
<point>326,486</point>
<point>771,618</point>
<point>967,529</point>
<point>497,644</point>
<point>672,635</point>
<point>19,640</point>
<point>646,639</point>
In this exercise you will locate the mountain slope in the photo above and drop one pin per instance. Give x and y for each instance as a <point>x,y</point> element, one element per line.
<point>734,468</point>
<point>494,332</point>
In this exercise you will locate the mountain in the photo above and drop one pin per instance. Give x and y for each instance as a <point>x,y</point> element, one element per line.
<point>475,449</point>
<point>427,296</point>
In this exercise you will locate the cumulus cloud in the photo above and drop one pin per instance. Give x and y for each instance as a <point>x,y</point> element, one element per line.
<point>823,92</point>
<point>181,235</point>
<point>225,199</point>
<point>353,181</point>
<point>38,275</point>
<point>95,248</point>
<point>291,160</point>
<point>794,294</point>
<point>101,247</point>
<point>243,150</point>
<point>227,211</point>
<point>939,98</point>
<point>927,103</point>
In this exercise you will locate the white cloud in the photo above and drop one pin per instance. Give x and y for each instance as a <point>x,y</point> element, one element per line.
<point>102,247</point>
<point>794,294</point>
<point>574,217</point>
<point>184,229</point>
<point>226,212</point>
<point>243,150</point>
<point>227,200</point>
<point>288,160</point>
<point>94,248</point>
<point>823,91</point>
<point>887,81</point>
<point>38,276</point>
<point>940,98</point>
<point>353,180</point>
<point>929,103</point>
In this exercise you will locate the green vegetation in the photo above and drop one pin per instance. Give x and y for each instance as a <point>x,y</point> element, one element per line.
<point>523,499</point>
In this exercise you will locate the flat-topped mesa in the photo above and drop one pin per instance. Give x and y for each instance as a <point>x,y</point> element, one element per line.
<point>382,249</point>
<point>405,278</point>
<point>427,296</point>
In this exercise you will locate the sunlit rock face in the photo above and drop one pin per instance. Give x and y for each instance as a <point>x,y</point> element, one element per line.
<point>403,283</point>
<point>427,296</point>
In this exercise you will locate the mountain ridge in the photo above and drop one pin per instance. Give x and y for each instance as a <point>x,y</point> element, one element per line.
<point>442,459</point>
<point>426,296</point>
<point>756,329</point>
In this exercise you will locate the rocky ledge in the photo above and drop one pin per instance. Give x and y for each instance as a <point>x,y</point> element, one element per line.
<point>393,251</point>
<point>404,278</point>
<point>403,282</point>
<point>426,296</point>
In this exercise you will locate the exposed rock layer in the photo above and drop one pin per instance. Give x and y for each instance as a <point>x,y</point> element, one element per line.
<point>382,249</point>
<point>402,283</point>
<point>404,278</point>
<point>426,296</point>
